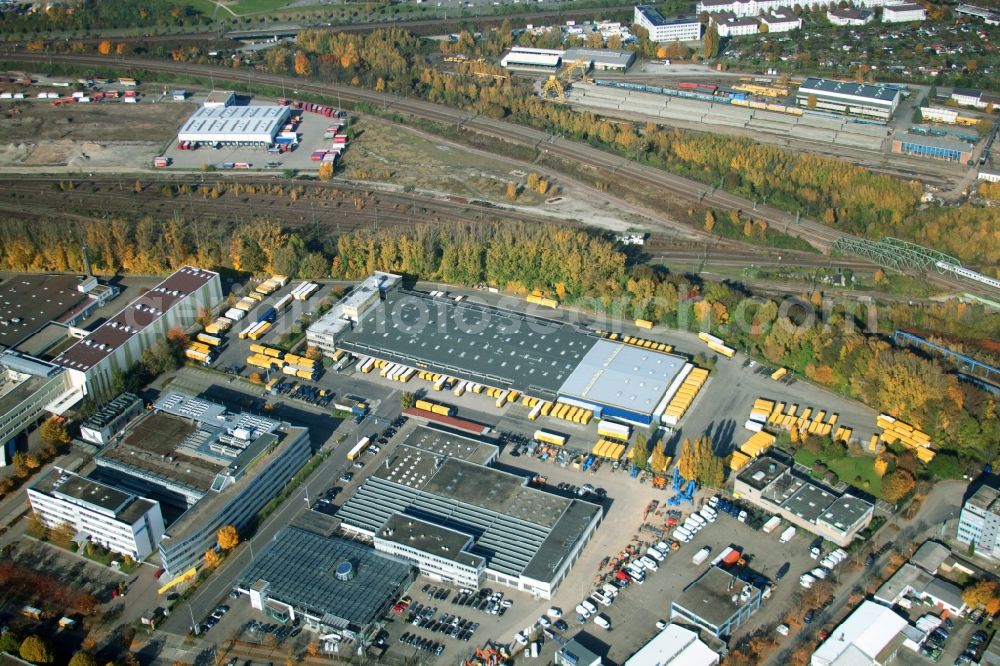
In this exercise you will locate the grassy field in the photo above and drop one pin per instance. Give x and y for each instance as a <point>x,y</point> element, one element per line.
<point>847,468</point>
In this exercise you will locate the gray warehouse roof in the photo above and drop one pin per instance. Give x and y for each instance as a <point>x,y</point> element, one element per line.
<point>710,597</point>
<point>518,529</point>
<point>873,93</point>
<point>934,142</point>
<point>235,121</point>
<point>604,57</point>
<point>620,375</point>
<point>300,567</point>
<point>479,343</point>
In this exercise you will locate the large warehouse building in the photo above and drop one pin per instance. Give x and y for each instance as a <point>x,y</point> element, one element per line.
<point>235,125</point>
<point>437,504</point>
<point>934,147</point>
<point>206,467</point>
<point>504,349</point>
<point>868,100</point>
<point>117,344</point>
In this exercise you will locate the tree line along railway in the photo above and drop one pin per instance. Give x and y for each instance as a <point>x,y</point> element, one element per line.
<point>815,233</point>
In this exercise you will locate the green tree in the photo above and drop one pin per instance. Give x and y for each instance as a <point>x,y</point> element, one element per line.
<point>37,650</point>
<point>640,451</point>
<point>407,400</point>
<point>710,44</point>
<point>54,431</point>
<point>658,459</point>
<point>10,642</point>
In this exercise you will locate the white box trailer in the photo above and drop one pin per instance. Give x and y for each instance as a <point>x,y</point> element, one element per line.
<point>701,555</point>
<point>787,535</point>
<point>613,430</point>
<point>772,524</point>
<point>235,314</point>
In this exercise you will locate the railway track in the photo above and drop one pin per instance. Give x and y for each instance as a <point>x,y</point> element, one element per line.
<point>813,232</point>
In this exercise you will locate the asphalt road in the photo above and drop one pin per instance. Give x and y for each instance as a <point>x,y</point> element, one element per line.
<point>215,590</point>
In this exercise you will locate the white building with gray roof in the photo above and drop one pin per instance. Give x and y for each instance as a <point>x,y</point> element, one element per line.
<point>460,520</point>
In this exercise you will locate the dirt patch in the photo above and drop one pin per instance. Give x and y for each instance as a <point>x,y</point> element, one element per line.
<point>387,152</point>
<point>87,136</point>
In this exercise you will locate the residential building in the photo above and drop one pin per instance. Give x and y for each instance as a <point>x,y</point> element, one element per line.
<point>989,16</point>
<point>661,29</point>
<point>872,634</point>
<point>30,391</point>
<point>978,99</point>
<point>979,521</point>
<point>905,12</point>
<point>868,100</point>
<point>850,16</point>
<point>772,483</point>
<point>119,521</point>
<point>437,503</point>
<point>674,646</point>
<point>758,7</point>
<point>327,584</point>
<point>781,20</point>
<point>730,25</point>
<point>206,467</point>
<point>118,344</point>
<point>717,601</point>
<point>111,419</point>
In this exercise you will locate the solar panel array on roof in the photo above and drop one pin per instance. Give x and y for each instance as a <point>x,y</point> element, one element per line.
<point>301,569</point>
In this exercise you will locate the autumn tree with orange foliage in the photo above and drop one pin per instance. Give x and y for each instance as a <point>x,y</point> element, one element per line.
<point>983,594</point>
<point>897,484</point>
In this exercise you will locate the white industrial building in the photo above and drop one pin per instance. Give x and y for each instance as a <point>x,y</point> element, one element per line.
<point>522,56</point>
<point>662,29</point>
<point>436,502</point>
<point>219,99</point>
<point>731,25</point>
<point>601,59</point>
<point>903,13</point>
<point>118,344</point>
<point>849,16</point>
<point>440,553</point>
<point>119,521</point>
<point>235,125</point>
<point>858,99</point>
<point>872,634</point>
<point>938,114</point>
<point>674,646</point>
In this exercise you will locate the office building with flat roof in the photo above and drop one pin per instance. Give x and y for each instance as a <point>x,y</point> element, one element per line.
<point>207,467</point>
<point>717,601</point>
<point>120,521</point>
<point>772,483</point>
<point>869,100</point>
<point>329,585</point>
<point>662,29</point>
<point>979,521</point>
<point>30,391</point>
<point>521,536</point>
<point>501,348</point>
<point>118,344</point>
